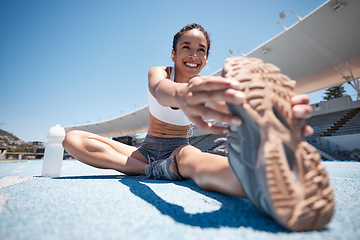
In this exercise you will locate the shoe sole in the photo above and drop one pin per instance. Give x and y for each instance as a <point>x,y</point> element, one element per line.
<point>285,178</point>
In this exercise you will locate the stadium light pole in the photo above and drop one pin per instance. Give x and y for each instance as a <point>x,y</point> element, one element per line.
<point>283,16</point>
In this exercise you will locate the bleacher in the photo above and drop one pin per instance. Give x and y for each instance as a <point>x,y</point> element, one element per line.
<point>340,123</point>
<point>322,123</point>
<point>352,126</point>
<point>347,122</point>
<point>208,142</point>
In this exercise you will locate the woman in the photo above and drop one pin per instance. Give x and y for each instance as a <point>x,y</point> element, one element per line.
<point>177,98</point>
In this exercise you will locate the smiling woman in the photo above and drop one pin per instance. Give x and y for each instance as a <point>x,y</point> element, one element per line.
<point>178,97</point>
<point>190,52</point>
<point>191,27</point>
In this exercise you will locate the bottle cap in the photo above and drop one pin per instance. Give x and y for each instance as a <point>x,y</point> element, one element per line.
<point>56,131</point>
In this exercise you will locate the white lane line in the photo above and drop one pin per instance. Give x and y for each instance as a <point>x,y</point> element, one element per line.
<point>8,181</point>
<point>12,180</point>
<point>68,166</point>
<point>3,198</point>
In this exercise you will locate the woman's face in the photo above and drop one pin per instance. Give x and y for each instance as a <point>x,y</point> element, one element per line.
<point>190,57</point>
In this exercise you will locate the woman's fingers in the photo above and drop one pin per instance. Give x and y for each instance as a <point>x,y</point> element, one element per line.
<point>300,108</point>
<point>203,112</point>
<point>228,95</point>
<point>300,99</point>
<point>199,113</point>
<point>302,111</point>
<point>212,84</point>
<point>308,131</point>
<point>211,90</point>
<point>209,127</point>
<point>202,90</point>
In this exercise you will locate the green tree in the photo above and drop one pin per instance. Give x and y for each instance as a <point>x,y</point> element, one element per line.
<point>334,92</point>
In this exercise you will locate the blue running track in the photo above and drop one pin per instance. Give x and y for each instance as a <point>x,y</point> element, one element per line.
<point>90,203</point>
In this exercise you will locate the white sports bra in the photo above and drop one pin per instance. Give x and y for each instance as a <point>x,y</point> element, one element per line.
<point>167,114</point>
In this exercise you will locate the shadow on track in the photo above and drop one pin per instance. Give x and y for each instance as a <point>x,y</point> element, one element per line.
<point>234,212</point>
<point>92,177</point>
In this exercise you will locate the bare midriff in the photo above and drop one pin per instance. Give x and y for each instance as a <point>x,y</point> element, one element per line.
<point>162,129</point>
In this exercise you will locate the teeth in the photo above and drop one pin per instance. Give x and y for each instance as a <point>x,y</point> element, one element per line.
<point>191,64</point>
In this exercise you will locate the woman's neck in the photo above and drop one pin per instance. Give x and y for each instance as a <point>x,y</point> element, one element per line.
<point>181,78</point>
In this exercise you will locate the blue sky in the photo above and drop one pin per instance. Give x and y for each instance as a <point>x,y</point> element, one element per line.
<point>75,62</point>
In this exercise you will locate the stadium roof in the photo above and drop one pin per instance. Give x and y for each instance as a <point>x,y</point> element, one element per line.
<point>315,48</point>
<point>320,51</point>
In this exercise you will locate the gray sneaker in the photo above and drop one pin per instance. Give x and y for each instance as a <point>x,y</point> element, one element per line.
<point>160,169</point>
<point>281,174</point>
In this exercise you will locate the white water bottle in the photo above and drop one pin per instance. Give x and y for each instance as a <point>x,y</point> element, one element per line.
<point>54,152</point>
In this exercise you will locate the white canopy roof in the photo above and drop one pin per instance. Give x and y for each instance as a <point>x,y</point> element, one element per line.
<point>128,124</point>
<point>309,51</point>
<point>312,52</point>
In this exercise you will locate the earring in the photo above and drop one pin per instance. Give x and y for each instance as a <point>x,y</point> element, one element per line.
<point>206,66</point>
<point>172,55</point>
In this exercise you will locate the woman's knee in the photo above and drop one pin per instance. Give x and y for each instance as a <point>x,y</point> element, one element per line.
<point>193,163</point>
<point>186,158</point>
<point>186,152</point>
<point>72,137</point>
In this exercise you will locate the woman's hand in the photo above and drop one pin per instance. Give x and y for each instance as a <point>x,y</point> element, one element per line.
<point>202,90</point>
<point>194,96</point>
<point>302,110</point>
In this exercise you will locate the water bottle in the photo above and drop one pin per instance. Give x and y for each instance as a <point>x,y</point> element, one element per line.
<point>54,152</point>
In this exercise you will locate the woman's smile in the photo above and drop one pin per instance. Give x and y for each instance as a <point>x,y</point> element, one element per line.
<point>191,55</point>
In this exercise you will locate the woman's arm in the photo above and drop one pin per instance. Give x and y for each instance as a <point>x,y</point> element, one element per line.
<point>163,89</point>
<point>192,97</point>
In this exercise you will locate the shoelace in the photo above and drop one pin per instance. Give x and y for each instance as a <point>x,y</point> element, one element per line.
<point>156,171</point>
<point>151,162</point>
<point>223,147</point>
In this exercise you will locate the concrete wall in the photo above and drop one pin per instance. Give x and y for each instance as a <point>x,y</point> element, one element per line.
<point>335,105</point>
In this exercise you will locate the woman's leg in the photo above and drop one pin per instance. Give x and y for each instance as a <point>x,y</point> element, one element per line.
<point>209,171</point>
<point>104,153</point>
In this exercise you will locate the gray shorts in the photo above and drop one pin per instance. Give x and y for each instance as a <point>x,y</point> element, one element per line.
<point>156,148</point>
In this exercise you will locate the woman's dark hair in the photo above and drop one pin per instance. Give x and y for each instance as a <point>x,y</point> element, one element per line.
<point>188,28</point>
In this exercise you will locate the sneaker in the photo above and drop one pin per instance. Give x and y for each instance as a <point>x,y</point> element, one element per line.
<point>281,174</point>
<point>160,169</point>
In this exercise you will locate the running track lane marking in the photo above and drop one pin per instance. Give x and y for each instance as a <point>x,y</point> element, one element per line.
<point>12,180</point>
<point>68,166</point>
<point>3,198</point>
<point>8,181</point>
